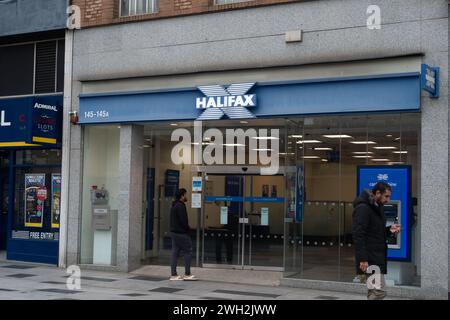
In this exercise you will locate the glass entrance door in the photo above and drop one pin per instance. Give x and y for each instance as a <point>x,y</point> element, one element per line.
<point>243,221</point>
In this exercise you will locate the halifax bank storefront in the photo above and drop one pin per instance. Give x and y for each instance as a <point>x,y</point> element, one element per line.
<point>328,137</point>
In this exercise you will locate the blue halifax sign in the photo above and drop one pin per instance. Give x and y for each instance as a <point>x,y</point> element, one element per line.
<point>399,178</point>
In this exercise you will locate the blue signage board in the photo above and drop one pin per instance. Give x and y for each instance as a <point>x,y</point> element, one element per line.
<point>391,92</point>
<point>31,121</point>
<point>430,80</point>
<point>299,194</point>
<point>399,178</point>
<point>172,183</point>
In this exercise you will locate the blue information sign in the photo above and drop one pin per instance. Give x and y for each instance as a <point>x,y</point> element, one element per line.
<point>399,178</point>
<point>430,80</point>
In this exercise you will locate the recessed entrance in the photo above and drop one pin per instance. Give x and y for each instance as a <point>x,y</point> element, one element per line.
<point>242,218</point>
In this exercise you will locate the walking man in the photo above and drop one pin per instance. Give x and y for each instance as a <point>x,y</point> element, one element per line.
<point>370,236</point>
<point>181,241</point>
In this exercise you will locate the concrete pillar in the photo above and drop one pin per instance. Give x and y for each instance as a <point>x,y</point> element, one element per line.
<point>131,163</point>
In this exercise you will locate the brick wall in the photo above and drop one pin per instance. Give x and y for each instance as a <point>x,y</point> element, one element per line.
<point>104,12</point>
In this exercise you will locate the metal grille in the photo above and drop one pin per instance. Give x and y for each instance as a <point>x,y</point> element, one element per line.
<point>45,67</point>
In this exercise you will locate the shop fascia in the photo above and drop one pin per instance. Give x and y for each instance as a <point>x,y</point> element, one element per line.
<point>3,121</point>
<point>212,148</point>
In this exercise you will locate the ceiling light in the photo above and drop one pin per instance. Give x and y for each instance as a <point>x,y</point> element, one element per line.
<point>389,136</point>
<point>362,152</point>
<point>400,152</point>
<point>385,148</point>
<point>362,157</point>
<point>363,142</point>
<point>174,124</point>
<point>233,145</point>
<point>396,139</point>
<point>337,136</point>
<point>244,122</point>
<point>296,136</point>
<point>266,138</point>
<point>323,149</point>
<point>311,157</point>
<point>308,141</point>
<point>380,160</point>
<point>393,163</point>
<point>324,160</point>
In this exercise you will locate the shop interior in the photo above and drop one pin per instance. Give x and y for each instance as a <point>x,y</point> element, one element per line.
<point>245,219</point>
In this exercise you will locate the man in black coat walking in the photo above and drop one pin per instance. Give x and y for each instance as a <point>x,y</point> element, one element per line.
<point>181,241</point>
<point>370,235</point>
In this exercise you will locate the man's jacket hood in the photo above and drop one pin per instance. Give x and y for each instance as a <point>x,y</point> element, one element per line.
<point>365,197</point>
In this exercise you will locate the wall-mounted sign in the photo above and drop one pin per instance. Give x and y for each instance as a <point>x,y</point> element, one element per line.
<point>231,101</point>
<point>399,209</point>
<point>390,92</point>
<point>172,182</point>
<point>34,199</point>
<point>264,216</point>
<point>197,184</point>
<point>30,121</point>
<point>223,215</point>
<point>430,80</point>
<point>56,199</point>
<point>196,202</point>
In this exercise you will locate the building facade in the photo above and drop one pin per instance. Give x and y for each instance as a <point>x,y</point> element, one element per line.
<point>327,100</point>
<point>32,51</point>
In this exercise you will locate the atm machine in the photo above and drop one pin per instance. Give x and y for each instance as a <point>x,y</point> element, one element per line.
<point>104,226</point>
<point>392,211</point>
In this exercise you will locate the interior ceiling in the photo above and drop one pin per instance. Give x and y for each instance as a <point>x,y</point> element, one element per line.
<point>399,131</point>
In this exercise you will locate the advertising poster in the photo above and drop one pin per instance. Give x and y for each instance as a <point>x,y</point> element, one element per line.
<point>56,199</point>
<point>196,202</point>
<point>35,196</point>
<point>172,182</point>
<point>299,194</point>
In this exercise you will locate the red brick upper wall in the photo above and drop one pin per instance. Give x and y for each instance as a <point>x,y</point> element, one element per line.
<point>104,12</point>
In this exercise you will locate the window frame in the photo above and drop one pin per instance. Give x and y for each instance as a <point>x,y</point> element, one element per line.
<point>152,6</point>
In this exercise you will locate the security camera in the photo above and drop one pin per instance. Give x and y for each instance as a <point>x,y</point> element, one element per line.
<point>73,117</point>
<point>244,169</point>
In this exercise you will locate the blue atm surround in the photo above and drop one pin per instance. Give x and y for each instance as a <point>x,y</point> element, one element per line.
<point>399,177</point>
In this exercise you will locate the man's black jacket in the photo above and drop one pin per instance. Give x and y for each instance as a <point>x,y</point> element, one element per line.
<point>179,218</point>
<point>369,232</point>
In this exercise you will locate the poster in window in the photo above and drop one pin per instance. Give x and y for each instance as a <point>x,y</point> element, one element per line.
<point>35,196</point>
<point>56,199</point>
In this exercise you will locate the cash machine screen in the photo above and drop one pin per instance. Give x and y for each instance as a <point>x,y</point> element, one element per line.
<point>392,212</point>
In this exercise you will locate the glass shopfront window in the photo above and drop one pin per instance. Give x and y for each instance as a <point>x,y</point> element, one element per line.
<point>100,195</point>
<point>330,149</point>
<point>37,197</point>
